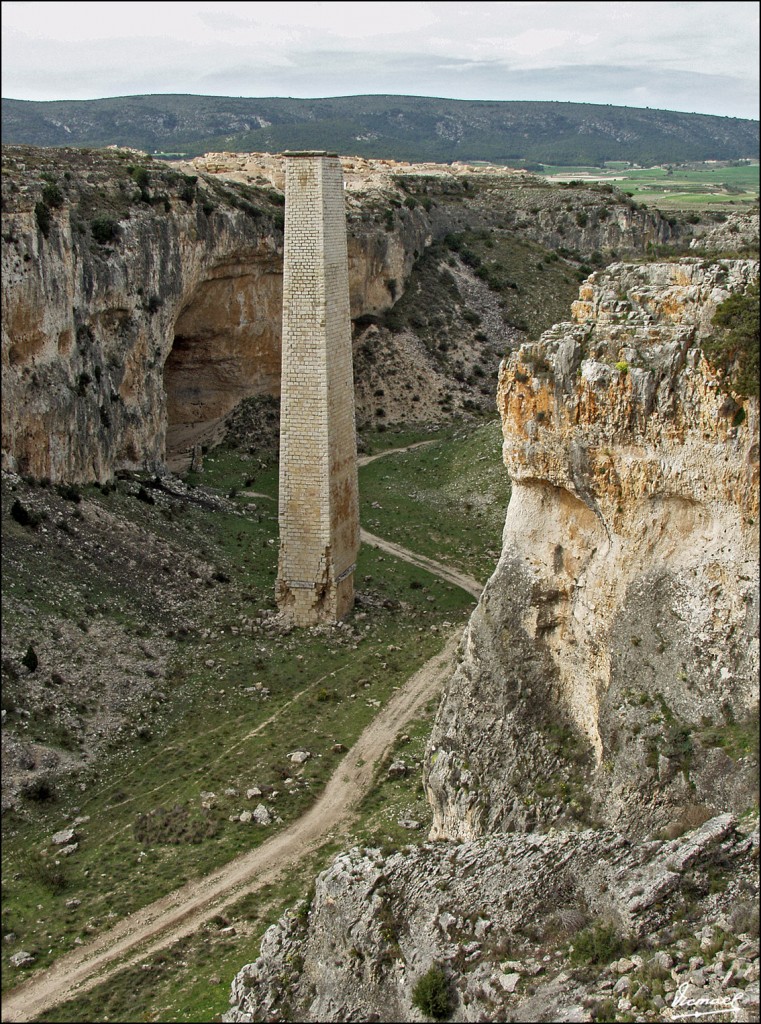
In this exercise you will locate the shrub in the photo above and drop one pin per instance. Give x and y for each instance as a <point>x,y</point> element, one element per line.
<point>188,189</point>
<point>734,349</point>
<point>52,196</point>
<point>432,994</point>
<point>70,492</point>
<point>25,516</point>
<point>141,177</point>
<point>39,789</point>
<point>104,229</point>
<point>48,874</point>
<point>30,659</point>
<point>42,215</point>
<point>174,826</point>
<point>743,920</point>
<point>598,945</point>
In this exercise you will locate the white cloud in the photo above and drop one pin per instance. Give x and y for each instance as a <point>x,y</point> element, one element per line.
<point>469,50</point>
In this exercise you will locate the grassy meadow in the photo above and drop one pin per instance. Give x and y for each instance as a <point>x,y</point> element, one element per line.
<point>712,185</point>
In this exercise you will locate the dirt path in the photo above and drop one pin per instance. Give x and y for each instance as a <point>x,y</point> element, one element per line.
<point>444,572</point>
<point>365,460</point>
<point>185,910</point>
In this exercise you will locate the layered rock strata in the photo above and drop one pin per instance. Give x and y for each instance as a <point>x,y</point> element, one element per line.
<point>142,303</point>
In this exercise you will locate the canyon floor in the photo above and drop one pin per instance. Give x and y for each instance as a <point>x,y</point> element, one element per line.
<point>416,498</point>
<point>184,911</point>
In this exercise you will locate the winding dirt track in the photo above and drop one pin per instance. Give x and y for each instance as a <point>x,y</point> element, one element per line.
<point>444,572</point>
<point>183,911</point>
<point>364,460</point>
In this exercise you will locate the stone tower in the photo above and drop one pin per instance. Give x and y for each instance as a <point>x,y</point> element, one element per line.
<point>319,507</point>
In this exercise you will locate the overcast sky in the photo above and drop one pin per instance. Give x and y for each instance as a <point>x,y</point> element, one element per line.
<point>700,57</point>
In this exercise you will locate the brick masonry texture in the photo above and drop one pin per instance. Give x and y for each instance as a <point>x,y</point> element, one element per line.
<point>319,508</point>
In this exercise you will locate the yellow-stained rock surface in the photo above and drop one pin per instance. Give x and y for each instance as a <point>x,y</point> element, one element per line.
<point>621,624</point>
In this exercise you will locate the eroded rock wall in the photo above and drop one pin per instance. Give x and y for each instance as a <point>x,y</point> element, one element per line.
<point>116,351</point>
<point>142,303</point>
<point>88,328</point>
<point>609,676</point>
<point>620,627</point>
<point>497,916</point>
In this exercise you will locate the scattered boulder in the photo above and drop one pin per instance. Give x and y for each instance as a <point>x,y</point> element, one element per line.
<point>409,823</point>
<point>509,981</point>
<point>299,756</point>
<point>63,838</point>
<point>21,959</point>
<point>261,815</point>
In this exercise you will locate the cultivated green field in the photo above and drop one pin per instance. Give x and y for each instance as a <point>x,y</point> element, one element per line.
<point>720,186</point>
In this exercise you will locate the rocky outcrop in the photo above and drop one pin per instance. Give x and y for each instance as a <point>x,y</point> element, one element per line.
<point>619,631</point>
<point>117,302</point>
<point>141,305</point>
<point>520,927</point>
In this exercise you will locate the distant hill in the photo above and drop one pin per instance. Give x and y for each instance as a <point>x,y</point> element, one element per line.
<point>400,127</point>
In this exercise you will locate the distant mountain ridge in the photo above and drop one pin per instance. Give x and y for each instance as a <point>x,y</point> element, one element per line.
<point>400,127</point>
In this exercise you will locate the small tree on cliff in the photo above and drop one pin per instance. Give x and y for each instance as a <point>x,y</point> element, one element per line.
<point>432,994</point>
<point>734,348</point>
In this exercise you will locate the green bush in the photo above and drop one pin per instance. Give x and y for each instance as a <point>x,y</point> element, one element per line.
<point>70,492</point>
<point>47,873</point>
<point>42,215</point>
<point>141,177</point>
<point>52,195</point>
<point>734,349</point>
<point>30,659</point>
<point>598,945</point>
<point>25,516</point>
<point>432,994</point>
<point>104,229</point>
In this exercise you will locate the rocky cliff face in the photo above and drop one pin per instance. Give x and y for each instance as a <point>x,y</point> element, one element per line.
<point>142,302</point>
<point>608,677</point>
<point>620,628</point>
<point>116,322</point>
<point>140,306</point>
<point>507,920</point>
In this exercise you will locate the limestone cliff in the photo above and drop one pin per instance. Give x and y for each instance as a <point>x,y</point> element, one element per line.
<point>505,921</point>
<point>117,288</point>
<point>608,677</point>
<point>141,302</point>
<point>619,629</point>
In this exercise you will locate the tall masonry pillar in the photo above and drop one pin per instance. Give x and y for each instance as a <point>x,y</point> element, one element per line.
<point>319,506</point>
